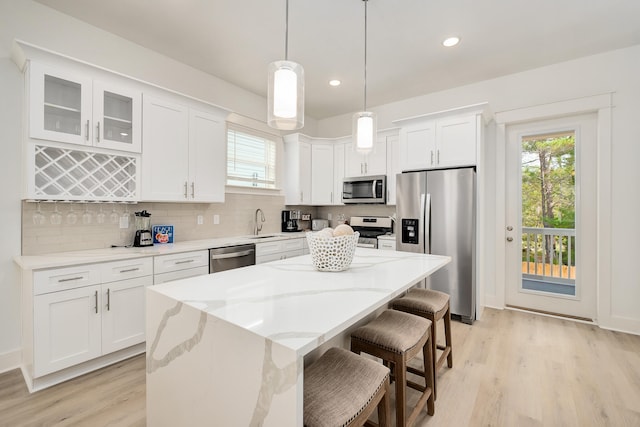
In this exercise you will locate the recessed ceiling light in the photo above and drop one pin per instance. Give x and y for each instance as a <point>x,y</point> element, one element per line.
<point>334,82</point>
<point>451,41</point>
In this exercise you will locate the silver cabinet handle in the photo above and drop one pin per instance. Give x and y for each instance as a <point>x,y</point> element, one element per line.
<point>108,299</point>
<point>233,254</point>
<point>185,190</point>
<point>86,131</point>
<point>301,199</point>
<point>366,168</point>
<point>438,156</point>
<point>331,197</point>
<point>193,190</point>
<point>432,157</point>
<point>129,270</point>
<point>96,299</point>
<point>187,261</point>
<point>98,132</point>
<point>69,279</point>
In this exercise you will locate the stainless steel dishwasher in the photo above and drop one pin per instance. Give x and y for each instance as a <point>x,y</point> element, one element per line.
<point>230,257</point>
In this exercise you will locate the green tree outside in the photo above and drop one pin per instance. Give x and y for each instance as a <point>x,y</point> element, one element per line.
<point>548,191</point>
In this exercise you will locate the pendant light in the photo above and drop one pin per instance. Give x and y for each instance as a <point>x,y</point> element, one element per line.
<point>286,90</point>
<point>364,122</point>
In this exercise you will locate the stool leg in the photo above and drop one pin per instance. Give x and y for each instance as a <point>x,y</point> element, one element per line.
<point>384,407</point>
<point>429,378</point>
<point>447,333</point>
<point>401,387</point>
<point>434,356</point>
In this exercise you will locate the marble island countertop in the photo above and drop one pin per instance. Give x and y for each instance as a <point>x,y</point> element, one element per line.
<point>232,346</point>
<point>292,303</point>
<point>64,259</point>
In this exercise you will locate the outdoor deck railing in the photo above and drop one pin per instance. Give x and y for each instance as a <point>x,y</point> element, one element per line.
<point>548,254</point>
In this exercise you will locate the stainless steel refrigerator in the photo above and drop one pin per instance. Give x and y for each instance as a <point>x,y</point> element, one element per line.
<point>436,214</point>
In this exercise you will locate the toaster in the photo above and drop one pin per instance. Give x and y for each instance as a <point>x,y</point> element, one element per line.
<point>319,224</point>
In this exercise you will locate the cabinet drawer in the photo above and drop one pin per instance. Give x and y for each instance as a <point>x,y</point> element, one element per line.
<point>386,245</point>
<point>181,274</point>
<point>129,269</point>
<point>292,244</point>
<point>268,248</point>
<point>59,279</point>
<point>182,261</point>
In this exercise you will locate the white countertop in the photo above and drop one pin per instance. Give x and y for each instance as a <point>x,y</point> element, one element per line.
<point>63,259</point>
<point>291,303</point>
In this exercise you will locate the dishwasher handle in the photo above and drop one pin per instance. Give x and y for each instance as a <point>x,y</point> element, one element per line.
<point>232,254</point>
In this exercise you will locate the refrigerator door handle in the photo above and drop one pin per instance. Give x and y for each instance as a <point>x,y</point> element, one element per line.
<point>427,225</point>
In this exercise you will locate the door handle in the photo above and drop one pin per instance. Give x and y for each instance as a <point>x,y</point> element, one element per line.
<point>509,239</point>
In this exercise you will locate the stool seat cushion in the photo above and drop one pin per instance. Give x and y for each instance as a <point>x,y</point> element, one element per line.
<point>338,386</point>
<point>394,331</point>
<point>422,300</point>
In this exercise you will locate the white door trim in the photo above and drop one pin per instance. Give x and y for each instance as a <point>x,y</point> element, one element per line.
<point>602,105</point>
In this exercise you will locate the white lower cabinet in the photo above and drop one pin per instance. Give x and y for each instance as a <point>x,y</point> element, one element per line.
<point>82,313</point>
<point>180,266</point>
<point>280,249</point>
<point>67,328</point>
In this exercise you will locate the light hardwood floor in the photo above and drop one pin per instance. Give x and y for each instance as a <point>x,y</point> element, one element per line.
<point>510,369</point>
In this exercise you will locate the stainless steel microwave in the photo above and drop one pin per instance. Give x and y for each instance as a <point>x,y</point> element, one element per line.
<point>365,189</point>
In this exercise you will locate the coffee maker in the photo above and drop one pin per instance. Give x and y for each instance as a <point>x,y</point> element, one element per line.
<point>143,235</point>
<point>290,221</point>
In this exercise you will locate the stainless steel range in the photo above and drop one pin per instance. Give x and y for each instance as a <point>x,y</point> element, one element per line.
<point>370,227</point>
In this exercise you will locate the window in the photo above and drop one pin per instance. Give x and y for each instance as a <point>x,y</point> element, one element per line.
<point>251,158</point>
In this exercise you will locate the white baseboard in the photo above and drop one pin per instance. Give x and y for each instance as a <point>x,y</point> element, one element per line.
<point>491,301</point>
<point>10,360</point>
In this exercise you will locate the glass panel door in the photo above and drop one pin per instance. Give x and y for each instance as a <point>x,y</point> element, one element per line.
<point>117,117</point>
<point>551,216</point>
<point>59,105</point>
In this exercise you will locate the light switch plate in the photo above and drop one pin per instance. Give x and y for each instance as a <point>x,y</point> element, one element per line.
<point>216,219</point>
<point>200,220</point>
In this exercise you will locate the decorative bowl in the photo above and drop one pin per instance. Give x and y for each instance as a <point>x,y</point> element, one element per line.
<point>332,253</point>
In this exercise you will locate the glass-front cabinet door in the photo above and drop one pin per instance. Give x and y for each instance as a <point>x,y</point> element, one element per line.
<point>117,116</point>
<point>60,105</point>
<point>66,107</point>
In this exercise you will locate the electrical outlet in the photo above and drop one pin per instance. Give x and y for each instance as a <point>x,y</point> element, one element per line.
<point>124,221</point>
<point>329,216</point>
<point>200,220</point>
<point>216,219</point>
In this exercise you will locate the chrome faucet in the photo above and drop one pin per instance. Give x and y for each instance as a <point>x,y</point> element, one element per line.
<point>258,222</point>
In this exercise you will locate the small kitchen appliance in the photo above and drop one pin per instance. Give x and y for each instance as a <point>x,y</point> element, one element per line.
<point>143,236</point>
<point>319,224</point>
<point>370,227</point>
<point>290,221</point>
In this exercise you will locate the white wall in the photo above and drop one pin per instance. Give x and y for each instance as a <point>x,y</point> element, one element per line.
<point>616,71</point>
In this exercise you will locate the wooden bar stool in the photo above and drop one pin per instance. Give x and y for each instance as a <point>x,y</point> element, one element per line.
<point>396,338</point>
<point>343,389</point>
<point>432,305</point>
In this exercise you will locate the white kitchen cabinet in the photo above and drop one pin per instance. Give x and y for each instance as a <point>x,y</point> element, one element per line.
<point>374,163</point>
<point>184,156</point>
<point>180,266</point>
<point>66,329</point>
<point>279,249</point>
<point>393,166</point>
<point>297,185</point>
<point>338,171</point>
<point>123,313</point>
<point>75,315</point>
<point>386,243</point>
<point>67,106</point>
<point>322,175</point>
<point>441,140</point>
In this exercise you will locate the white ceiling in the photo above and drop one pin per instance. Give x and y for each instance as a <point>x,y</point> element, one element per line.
<point>236,40</point>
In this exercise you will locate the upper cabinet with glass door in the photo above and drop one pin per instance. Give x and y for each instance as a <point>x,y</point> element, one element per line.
<point>67,107</point>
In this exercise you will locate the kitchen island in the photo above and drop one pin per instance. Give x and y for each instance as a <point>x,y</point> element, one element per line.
<point>229,348</point>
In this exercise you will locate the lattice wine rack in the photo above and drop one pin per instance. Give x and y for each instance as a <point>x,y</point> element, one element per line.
<point>82,175</point>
